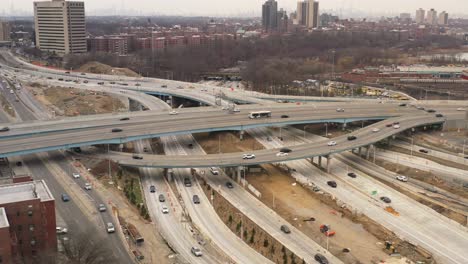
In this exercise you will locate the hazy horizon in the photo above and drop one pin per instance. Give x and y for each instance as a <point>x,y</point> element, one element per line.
<point>241,7</point>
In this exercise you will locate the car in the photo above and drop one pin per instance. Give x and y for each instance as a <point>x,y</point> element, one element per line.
<point>331,143</point>
<point>162,199</point>
<point>76,175</point>
<point>431,111</point>
<point>284,116</point>
<point>152,189</point>
<point>236,110</point>
<point>402,104</point>
<point>4,129</point>
<point>285,229</point>
<point>187,182</point>
<point>214,171</point>
<point>174,112</point>
<point>116,130</point>
<point>321,259</point>
<point>110,228</point>
<point>100,83</point>
<point>352,175</point>
<point>137,84</point>
<point>65,197</point>
<point>49,78</point>
<point>83,73</point>
<point>420,108</point>
<point>67,72</point>
<point>164,209</point>
<point>196,199</point>
<point>124,118</point>
<point>102,208</point>
<point>145,149</point>
<point>60,79</point>
<point>19,163</point>
<point>164,86</point>
<point>180,87</point>
<point>332,184</point>
<point>248,156</point>
<point>439,115</point>
<point>281,154</point>
<point>12,92</point>
<point>137,157</point>
<point>375,130</point>
<point>85,81</point>
<point>385,199</point>
<point>340,110</point>
<point>61,230</point>
<point>389,125</point>
<point>396,126</point>
<point>124,84</point>
<point>229,185</point>
<point>88,186</point>
<point>190,146</point>
<point>424,151</point>
<point>401,178</point>
<point>352,138</point>
<point>196,252</point>
<point>285,150</point>
<point>461,109</point>
<point>396,123</point>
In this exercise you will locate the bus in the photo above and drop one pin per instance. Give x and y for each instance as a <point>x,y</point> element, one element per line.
<point>260,114</point>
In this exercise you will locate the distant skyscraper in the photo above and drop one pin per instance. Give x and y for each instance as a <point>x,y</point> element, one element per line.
<point>431,17</point>
<point>443,18</point>
<point>312,14</point>
<point>5,31</point>
<point>60,26</point>
<point>302,9</point>
<point>405,17</point>
<point>420,16</point>
<point>299,18</point>
<point>270,15</point>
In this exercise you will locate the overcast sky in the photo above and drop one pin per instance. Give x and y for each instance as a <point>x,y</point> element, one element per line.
<point>242,7</point>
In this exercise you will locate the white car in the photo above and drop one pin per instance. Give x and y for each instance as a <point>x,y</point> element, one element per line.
<point>340,110</point>
<point>76,175</point>
<point>461,109</point>
<point>281,154</point>
<point>248,156</point>
<point>110,228</point>
<point>332,143</point>
<point>61,230</point>
<point>396,126</point>
<point>402,178</point>
<point>173,112</point>
<point>375,130</point>
<point>165,210</point>
<point>236,110</point>
<point>88,186</point>
<point>196,252</point>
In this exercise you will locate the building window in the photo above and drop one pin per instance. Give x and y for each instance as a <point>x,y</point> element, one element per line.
<point>31,228</point>
<point>33,242</point>
<point>30,213</point>
<point>20,228</point>
<point>18,213</point>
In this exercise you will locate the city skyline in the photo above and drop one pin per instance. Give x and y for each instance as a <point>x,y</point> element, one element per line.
<point>350,8</point>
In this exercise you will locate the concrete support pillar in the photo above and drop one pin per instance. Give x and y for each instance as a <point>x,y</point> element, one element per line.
<point>328,163</point>
<point>344,126</point>
<point>312,160</point>
<point>239,174</point>
<point>368,151</point>
<point>320,161</point>
<point>241,135</point>
<point>374,148</point>
<point>360,151</point>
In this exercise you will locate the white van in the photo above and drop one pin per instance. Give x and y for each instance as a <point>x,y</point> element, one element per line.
<point>214,171</point>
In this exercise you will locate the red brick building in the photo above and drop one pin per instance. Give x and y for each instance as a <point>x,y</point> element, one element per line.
<point>27,221</point>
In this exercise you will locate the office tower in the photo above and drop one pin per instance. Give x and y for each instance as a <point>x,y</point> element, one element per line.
<point>443,18</point>
<point>420,16</point>
<point>299,13</point>
<point>269,15</point>
<point>60,26</point>
<point>312,14</point>
<point>5,31</point>
<point>431,17</point>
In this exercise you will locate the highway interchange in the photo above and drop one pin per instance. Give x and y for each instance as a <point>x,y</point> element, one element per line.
<point>33,137</point>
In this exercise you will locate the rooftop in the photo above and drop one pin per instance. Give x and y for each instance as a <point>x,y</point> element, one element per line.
<point>25,191</point>
<point>3,218</point>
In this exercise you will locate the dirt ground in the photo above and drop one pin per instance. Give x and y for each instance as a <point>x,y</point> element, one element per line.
<point>230,142</point>
<point>100,68</point>
<point>73,102</point>
<point>6,106</point>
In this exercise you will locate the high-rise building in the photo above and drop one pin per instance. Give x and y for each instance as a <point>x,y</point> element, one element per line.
<point>443,18</point>
<point>405,17</point>
<point>27,221</point>
<point>420,16</point>
<point>270,15</point>
<point>431,17</point>
<point>282,21</point>
<point>60,26</point>
<point>312,14</point>
<point>5,31</point>
<point>299,19</point>
<point>301,12</point>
